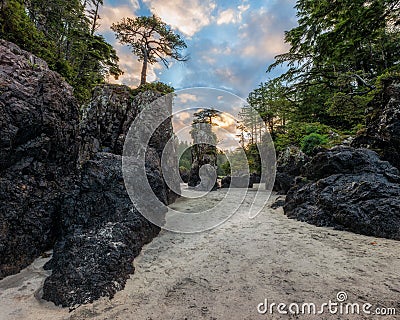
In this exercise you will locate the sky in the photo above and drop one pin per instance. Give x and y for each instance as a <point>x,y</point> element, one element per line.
<point>230,42</point>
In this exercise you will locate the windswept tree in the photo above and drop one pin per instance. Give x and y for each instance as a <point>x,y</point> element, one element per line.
<point>206,116</point>
<point>151,41</point>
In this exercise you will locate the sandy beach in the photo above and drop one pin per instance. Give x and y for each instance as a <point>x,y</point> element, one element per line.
<point>227,272</point>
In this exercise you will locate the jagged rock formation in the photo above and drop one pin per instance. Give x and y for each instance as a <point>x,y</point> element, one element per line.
<point>108,117</point>
<point>106,120</point>
<point>57,188</point>
<point>98,214</point>
<point>103,233</point>
<point>289,166</point>
<point>39,143</point>
<point>204,154</point>
<point>383,123</point>
<point>203,173</point>
<point>349,189</point>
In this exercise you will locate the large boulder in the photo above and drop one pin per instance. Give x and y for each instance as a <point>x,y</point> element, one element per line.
<point>289,166</point>
<point>348,189</point>
<point>346,160</point>
<point>383,123</point>
<point>39,144</point>
<point>103,233</point>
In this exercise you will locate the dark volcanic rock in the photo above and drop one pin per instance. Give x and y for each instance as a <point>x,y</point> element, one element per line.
<point>204,153</point>
<point>346,160</point>
<point>110,114</point>
<point>99,217</point>
<point>184,173</point>
<point>289,166</point>
<point>103,233</point>
<point>106,120</point>
<point>383,123</point>
<point>38,151</point>
<point>256,178</point>
<point>355,191</point>
<point>56,189</point>
<point>237,182</point>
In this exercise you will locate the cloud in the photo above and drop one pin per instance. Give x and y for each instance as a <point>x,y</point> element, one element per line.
<point>187,16</point>
<point>227,16</point>
<point>231,15</point>
<point>230,45</point>
<point>110,15</point>
<point>262,36</point>
<point>135,4</point>
<point>187,97</point>
<point>226,122</point>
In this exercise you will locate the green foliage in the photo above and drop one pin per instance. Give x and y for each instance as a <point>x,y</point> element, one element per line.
<point>185,161</point>
<point>271,106</point>
<point>184,170</point>
<point>221,164</point>
<point>226,168</point>
<point>295,132</point>
<point>311,141</point>
<point>253,158</point>
<point>185,155</point>
<point>151,41</point>
<point>62,33</point>
<point>15,26</point>
<point>157,86</point>
<point>337,52</point>
<point>340,53</point>
<point>236,162</point>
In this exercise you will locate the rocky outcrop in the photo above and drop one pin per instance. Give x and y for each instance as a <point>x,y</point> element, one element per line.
<point>184,174</point>
<point>58,189</point>
<point>39,143</point>
<point>106,120</point>
<point>102,234</point>
<point>383,123</point>
<point>204,154</point>
<point>349,189</point>
<point>98,215</point>
<point>289,166</point>
<point>108,117</point>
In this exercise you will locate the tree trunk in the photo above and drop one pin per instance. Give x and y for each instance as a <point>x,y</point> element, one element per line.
<point>95,17</point>
<point>144,71</point>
